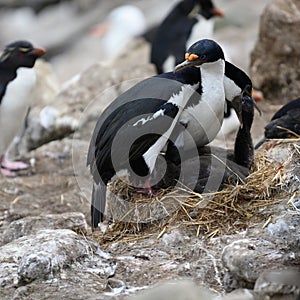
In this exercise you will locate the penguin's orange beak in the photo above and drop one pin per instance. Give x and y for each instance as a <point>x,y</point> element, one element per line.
<point>217,12</point>
<point>38,52</point>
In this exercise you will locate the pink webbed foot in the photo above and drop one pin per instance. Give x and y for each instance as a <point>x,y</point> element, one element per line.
<point>8,173</point>
<point>14,165</point>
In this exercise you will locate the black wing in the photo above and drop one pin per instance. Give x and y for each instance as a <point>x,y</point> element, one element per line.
<point>160,87</point>
<point>285,126</point>
<point>125,136</point>
<point>2,91</point>
<point>284,109</point>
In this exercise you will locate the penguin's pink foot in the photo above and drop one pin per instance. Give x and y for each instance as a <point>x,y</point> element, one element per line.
<point>13,165</point>
<point>8,173</point>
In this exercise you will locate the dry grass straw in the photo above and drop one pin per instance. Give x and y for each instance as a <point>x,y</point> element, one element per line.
<point>233,209</point>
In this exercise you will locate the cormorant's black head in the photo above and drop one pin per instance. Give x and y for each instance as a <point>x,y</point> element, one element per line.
<point>203,51</point>
<point>21,54</point>
<point>248,94</point>
<point>247,111</point>
<point>208,10</point>
<point>247,101</point>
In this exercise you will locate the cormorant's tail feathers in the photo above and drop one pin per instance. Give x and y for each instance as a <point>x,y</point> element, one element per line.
<point>98,204</point>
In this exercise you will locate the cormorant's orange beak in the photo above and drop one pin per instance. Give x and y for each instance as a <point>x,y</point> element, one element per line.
<point>191,56</point>
<point>191,59</point>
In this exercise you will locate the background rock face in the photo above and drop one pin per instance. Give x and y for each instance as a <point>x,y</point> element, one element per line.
<point>275,61</point>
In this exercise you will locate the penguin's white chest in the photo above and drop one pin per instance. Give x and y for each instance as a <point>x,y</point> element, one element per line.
<point>14,106</point>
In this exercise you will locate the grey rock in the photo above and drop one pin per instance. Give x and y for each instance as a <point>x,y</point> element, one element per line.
<point>34,266</point>
<point>174,238</point>
<point>275,59</point>
<point>278,228</point>
<point>31,225</point>
<point>278,282</point>
<point>247,258</point>
<point>21,293</point>
<point>37,134</point>
<point>176,290</point>
<point>278,246</point>
<point>49,255</point>
<point>115,286</point>
<point>240,294</point>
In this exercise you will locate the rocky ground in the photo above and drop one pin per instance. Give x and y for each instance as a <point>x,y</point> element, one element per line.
<point>47,250</point>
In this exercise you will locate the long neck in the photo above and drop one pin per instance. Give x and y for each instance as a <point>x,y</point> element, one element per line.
<point>243,147</point>
<point>213,70</point>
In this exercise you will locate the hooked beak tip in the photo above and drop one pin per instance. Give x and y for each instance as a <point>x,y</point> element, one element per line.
<point>181,66</point>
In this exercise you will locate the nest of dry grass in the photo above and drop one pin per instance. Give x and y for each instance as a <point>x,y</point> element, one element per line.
<point>233,209</point>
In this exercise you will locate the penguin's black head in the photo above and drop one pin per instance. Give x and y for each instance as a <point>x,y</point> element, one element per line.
<point>21,54</point>
<point>203,51</point>
<point>208,10</point>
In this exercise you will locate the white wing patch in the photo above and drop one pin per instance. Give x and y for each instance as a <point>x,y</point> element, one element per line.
<point>179,100</point>
<point>143,121</point>
<point>159,113</point>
